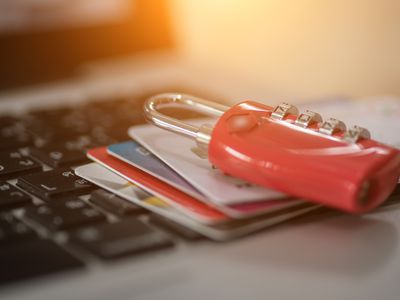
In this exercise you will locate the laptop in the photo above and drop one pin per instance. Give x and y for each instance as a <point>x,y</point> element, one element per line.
<point>74,76</point>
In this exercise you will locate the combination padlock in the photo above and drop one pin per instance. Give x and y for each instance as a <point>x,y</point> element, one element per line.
<point>299,154</point>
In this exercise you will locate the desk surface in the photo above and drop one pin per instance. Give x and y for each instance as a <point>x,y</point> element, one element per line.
<point>325,257</point>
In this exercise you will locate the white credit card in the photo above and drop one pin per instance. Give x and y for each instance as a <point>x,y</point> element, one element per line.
<point>115,184</point>
<point>175,151</point>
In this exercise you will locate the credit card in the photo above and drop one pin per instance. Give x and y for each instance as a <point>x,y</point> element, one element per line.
<point>190,206</point>
<point>175,151</point>
<point>115,184</point>
<point>138,156</point>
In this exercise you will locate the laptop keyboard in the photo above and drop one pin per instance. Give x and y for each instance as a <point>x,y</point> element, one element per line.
<point>41,197</point>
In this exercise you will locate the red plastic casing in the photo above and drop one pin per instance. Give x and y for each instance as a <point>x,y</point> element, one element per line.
<point>247,143</point>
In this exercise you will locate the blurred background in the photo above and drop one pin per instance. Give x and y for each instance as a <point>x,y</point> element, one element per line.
<point>306,49</point>
<point>298,49</point>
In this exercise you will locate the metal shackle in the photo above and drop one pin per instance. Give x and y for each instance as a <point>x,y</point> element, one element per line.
<point>202,134</point>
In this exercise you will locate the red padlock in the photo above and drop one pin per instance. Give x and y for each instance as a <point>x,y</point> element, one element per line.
<point>298,154</point>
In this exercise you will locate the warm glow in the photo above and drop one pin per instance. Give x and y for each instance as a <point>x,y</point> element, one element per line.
<point>307,48</point>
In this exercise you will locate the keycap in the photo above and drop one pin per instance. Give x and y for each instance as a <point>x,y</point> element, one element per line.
<point>174,228</point>
<point>112,114</point>
<point>13,230</point>
<point>16,141</point>
<point>58,156</point>
<point>48,124</point>
<point>49,116</point>
<point>75,121</point>
<point>114,204</point>
<point>85,142</point>
<point>13,134</point>
<point>11,197</point>
<point>34,258</point>
<point>72,126</point>
<point>63,214</point>
<point>48,127</point>
<point>80,143</point>
<point>13,163</point>
<point>49,132</point>
<point>102,136</point>
<point>54,184</point>
<point>112,240</point>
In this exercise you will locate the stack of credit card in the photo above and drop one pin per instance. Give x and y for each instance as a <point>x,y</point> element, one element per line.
<point>157,170</point>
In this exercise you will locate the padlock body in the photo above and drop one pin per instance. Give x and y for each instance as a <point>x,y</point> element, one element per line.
<point>303,162</point>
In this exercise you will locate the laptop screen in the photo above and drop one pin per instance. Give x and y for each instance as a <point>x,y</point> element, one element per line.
<point>44,40</point>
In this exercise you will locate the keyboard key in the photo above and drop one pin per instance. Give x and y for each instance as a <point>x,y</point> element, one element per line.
<point>102,136</point>
<point>15,141</point>
<point>54,184</point>
<point>13,163</point>
<point>13,134</point>
<point>49,132</point>
<point>79,143</point>
<point>34,258</point>
<point>71,127</point>
<point>49,124</point>
<point>58,156</point>
<point>75,122</point>
<point>96,138</point>
<point>11,197</point>
<point>63,214</point>
<point>49,116</point>
<point>13,230</point>
<point>114,204</point>
<point>113,240</point>
<point>174,228</point>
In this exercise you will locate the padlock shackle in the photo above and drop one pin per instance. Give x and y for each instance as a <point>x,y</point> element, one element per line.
<point>153,104</point>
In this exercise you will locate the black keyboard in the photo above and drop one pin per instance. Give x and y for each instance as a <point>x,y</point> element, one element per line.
<point>41,196</point>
